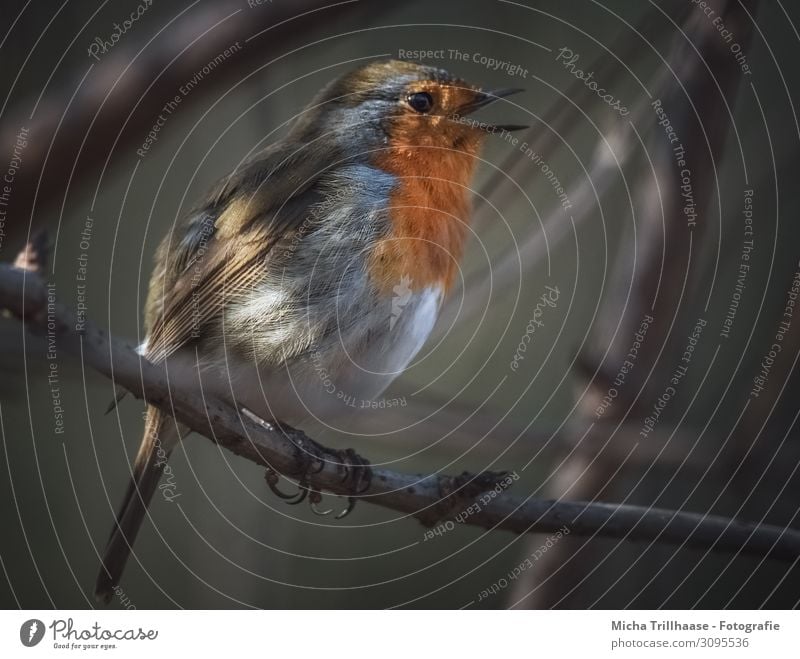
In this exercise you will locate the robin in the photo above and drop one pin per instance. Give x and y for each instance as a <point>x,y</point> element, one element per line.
<point>312,275</point>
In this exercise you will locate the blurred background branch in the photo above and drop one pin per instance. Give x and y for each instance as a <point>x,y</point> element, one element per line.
<point>695,90</point>
<point>87,122</point>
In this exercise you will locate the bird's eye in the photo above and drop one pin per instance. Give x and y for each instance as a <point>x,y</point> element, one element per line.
<point>421,101</point>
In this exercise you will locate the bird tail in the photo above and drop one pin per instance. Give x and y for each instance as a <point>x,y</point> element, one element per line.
<point>160,437</point>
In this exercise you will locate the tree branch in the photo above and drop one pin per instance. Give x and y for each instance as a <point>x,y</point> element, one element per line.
<point>429,497</point>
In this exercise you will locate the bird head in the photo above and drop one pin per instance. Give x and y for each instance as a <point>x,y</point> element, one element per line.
<point>402,103</point>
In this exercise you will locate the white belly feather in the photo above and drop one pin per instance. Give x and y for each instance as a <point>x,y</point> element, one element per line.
<point>329,380</point>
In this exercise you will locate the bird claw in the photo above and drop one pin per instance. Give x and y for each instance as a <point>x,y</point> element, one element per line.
<point>272,479</point>
<point>311,458</point>
<point>351,503</point>
<point>356,468</point>
<point>315,498</point>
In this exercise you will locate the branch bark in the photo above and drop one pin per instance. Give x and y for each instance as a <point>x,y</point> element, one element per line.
<point>429,497</point>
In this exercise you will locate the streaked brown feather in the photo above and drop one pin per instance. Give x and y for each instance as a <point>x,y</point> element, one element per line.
<point>250,212</point>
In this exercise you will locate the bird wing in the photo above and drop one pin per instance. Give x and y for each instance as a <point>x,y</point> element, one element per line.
<point>218,253</point>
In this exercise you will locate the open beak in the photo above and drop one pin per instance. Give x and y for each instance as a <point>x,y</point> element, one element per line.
<point>482,99</point>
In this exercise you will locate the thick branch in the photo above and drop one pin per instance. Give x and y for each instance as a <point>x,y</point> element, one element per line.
<point>429,497</point>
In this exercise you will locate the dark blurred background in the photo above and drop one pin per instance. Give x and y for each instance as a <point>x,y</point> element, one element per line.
<point>629,246</point>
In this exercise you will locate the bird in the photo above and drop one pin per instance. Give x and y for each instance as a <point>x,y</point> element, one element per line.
<point>314,272</point>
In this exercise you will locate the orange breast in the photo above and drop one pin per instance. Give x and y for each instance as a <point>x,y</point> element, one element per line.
<point>429,211</point>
